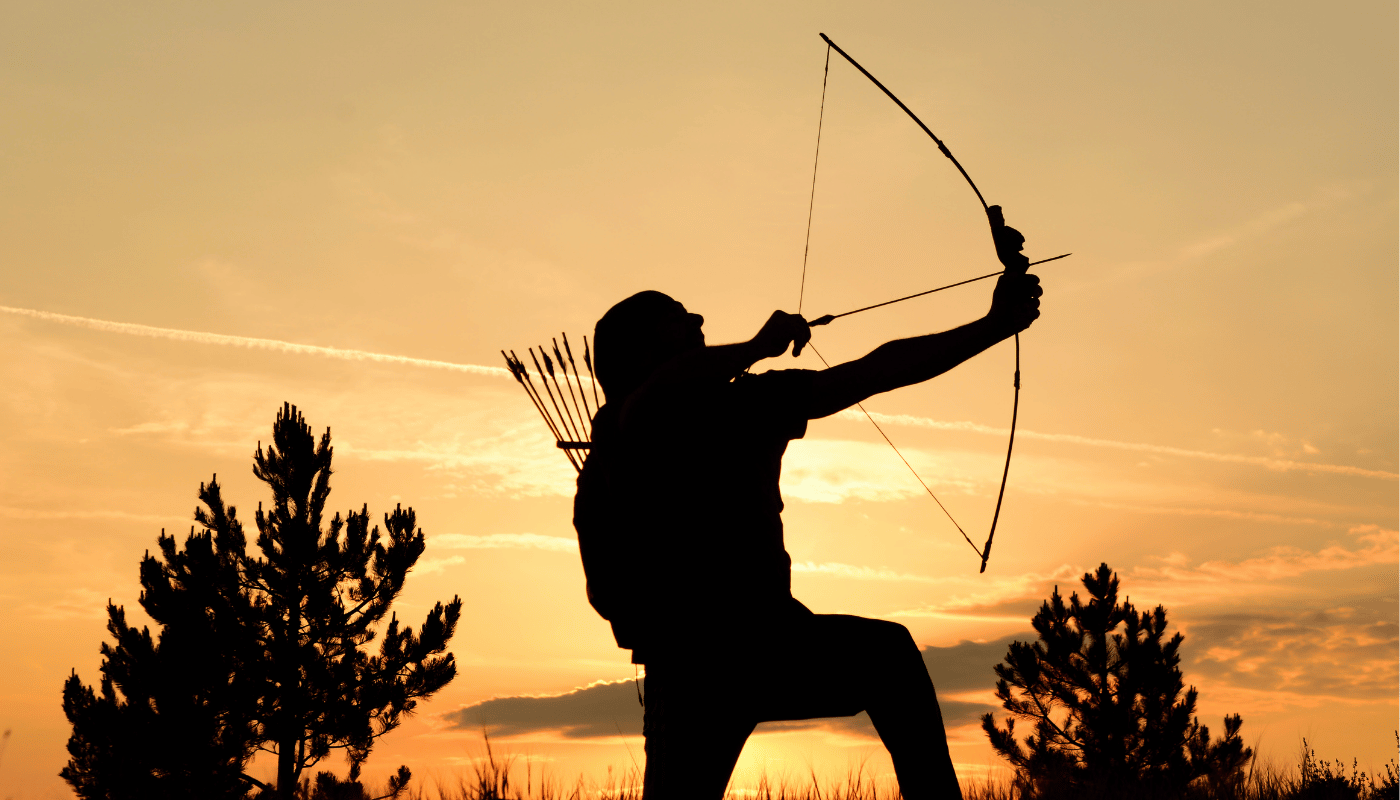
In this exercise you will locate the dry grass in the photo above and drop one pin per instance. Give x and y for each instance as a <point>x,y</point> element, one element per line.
<point>499,778</point>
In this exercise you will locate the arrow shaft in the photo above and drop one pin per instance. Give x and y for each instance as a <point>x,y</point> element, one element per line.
<point>832,317</point>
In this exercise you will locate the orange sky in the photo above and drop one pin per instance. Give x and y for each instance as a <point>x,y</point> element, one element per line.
<point>1209,404</point>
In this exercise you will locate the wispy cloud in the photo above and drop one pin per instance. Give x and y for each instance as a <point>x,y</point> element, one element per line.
<point>35,513</point>
<point>1377,546</point>
<point>838,570</point>
<point>496,541</point>
<point>1275,464</point>
<point>872,492</point>
<point>522,465</point>
<point>1337,652</point>
<point>75,603</point>
<point>1247,230</point>
<point>1271,219</point>
<point>977,597</point>
<point>1174,581</point>
<point>429,566</point>
<point>248,342</point>
<point>1197,511</point>
<point>836,470</point>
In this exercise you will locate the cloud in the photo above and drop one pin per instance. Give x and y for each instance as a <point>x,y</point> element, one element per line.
<point>33,513</point>
<point>462,541</point>
<point>170,426</point>
<point>275,345</point>
<point>610,708</point>
<point>1276,217</point>
<point>836,569</point>
<point>967,666</point>
<point>1173,582</point>
<point>836,470</point>
<point>604,708</point>
<point>1002,597</point>
<point>1223,513</point>
<point>1377,546</point>
<point>825,478</point>
<point>1344,651</point>
<point>429,566</point>
<point>1274,464</point>
<point>1260,225</point>
<point>518,463</point>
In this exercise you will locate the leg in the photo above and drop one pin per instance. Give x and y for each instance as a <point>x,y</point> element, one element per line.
<point>836,665</point>
<point>694,733</point>
<point>904,708</point>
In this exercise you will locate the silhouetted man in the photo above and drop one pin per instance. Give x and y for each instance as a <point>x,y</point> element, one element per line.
<point>678,516</point>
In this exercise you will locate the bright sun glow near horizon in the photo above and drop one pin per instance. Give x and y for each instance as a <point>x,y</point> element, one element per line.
<point>212,209</point>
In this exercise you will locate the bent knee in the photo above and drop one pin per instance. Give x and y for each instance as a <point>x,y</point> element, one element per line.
<point>879,637</point>
<point>893,636</point>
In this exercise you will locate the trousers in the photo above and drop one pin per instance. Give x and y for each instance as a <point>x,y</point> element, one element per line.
<point>701,707</point>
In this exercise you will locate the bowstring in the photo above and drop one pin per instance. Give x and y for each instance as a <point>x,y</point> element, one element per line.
<point>986,551</point>
<point>811,204</point>
<point>812,200</point>
<point>912,471</point>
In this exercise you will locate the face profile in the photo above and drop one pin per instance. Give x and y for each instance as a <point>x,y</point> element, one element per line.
<point>639,334</point>
<point>681,330</point>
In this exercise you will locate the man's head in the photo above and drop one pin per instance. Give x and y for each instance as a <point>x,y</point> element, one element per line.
<point>640,334</point>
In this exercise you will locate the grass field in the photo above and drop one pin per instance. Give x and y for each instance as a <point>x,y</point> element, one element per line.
<point>502,778</point>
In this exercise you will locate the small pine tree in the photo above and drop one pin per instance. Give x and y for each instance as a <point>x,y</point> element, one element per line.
<point>181,726</point>
<point>1104,692</point>
<point>260,653</point>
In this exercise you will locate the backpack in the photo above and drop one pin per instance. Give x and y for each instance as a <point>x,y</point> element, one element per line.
<point>609,542</point>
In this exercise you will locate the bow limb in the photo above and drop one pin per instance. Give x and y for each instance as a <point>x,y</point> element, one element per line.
<point>1007,242</point>
<point>942,147</point>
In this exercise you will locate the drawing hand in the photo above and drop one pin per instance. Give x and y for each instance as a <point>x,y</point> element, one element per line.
<point>781,330</point>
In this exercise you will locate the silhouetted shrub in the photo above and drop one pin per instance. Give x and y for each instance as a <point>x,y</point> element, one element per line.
<point>265,652</point>
<point>1104,693</point>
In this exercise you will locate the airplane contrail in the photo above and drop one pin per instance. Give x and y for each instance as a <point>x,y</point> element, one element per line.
<point>1276,464</point>
<point>276,345</point>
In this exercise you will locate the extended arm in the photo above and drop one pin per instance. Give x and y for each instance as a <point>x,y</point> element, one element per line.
<point>904,362</point>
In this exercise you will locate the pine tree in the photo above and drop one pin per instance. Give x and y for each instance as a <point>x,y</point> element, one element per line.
<point>260,653</point>
<point>1105,694</point>
<point>181,726</point>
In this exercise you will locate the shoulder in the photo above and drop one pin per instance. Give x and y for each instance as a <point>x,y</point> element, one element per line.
<point>778,383</point>
<point>778,397</point>
<point>774,379</point>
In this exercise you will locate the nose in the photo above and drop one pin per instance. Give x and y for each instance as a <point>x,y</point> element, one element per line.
<point>698,320</point>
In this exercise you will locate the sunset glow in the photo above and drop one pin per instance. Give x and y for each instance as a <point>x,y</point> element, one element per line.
<point>213,209</point>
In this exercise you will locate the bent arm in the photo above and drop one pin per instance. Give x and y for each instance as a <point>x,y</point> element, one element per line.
<point>719,363</point>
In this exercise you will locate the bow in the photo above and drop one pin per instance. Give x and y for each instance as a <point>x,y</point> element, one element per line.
<point>1007,244</point>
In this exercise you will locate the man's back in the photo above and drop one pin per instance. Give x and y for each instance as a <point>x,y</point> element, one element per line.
<point>679,510</point>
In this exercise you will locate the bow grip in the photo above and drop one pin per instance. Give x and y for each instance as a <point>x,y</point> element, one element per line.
<point>995,217</point>
<point>1008,242</point>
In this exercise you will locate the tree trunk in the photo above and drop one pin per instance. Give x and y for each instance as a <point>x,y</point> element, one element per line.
<point>290,704</point>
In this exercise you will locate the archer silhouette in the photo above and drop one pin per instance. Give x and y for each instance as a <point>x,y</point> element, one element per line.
<point>678,514</point>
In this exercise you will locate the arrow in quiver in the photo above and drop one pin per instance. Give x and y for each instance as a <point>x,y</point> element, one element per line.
<point>564,403</point>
